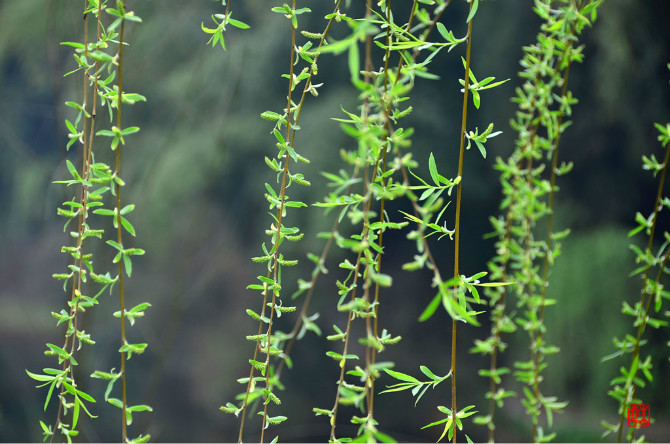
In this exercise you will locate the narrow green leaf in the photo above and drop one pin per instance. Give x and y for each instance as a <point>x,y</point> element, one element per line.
<point>75,412</point>
<point>473,10</point>
<point>443,31</point>
<point>354,61</point>
<point>402,376</point>
<point>237,23</point>
<point>432,307</point>
<point>433,170</point>
<point>37,377</point>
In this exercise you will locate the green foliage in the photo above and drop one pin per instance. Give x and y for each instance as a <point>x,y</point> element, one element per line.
<point>378,189</point>
<point>652,269</point>
<point>452,421</point>
<point>268,341</point>
<point>94,180</point>
<point>360,196</point>
<point>544,104</point>
<point>417,387</point>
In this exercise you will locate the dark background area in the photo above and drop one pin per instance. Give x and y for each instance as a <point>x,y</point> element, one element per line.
<point>196,174</point>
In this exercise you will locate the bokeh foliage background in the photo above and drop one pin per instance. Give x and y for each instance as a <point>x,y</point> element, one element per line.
<point>196,174</point>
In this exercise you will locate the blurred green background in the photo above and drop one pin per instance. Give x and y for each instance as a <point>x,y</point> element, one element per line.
<point>196,174</point>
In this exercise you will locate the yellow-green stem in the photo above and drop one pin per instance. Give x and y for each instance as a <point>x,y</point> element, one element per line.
<point>347,335</point>
<point>292,132</point>
<point>282,198</point>
<point>457,226</point>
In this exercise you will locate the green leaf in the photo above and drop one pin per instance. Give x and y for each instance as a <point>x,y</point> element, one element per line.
<point>115,245</point>
<point>51,389</point>
<point>115,402</point>
<point>481,148</point>
<point>131,98</point>
<point>432,307</point>
<point>46,430</point>
<point>473,10</point>
<point>426,371</point>
<point>104,212</point>
<point>278,136</point>
<point>73,170</point>
<point>443,31</point>
<point>58,351</point>
<point>130,130</point>
<point>237,23</point>
<point>140,408</point>
<point>85,396</point>
<point>336,356</point>
<point>75,413</point>
<point>127,225</point>
<point>139,307</point>
<point>127,264</point>
<point>40,377</point>
<point>106,133</point>
<point>476,100</point>
<point>383,280</point>
<point>442,421</point>
<point>382,437</point>
<point>433,170</point>
<point>354,61</point>
<point>402,376</point>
